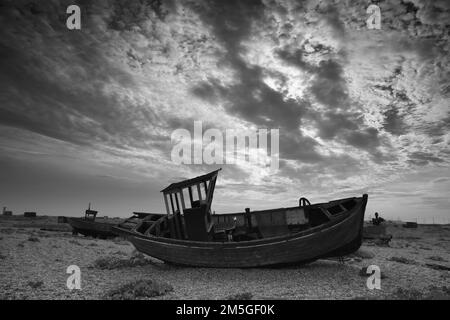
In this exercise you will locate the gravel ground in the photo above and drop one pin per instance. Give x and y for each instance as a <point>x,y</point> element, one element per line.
<point>33,265</point>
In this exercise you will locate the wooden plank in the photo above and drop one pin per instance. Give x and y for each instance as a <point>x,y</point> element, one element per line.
<point>182,201</point>
<point>199,192</point>
<point>171,202</point>
<point>191,198</point>
<point>167,204</point>
<point>176,201</point>
<point>177,226</point>
<point>183,207</point>
<point>206,188</point>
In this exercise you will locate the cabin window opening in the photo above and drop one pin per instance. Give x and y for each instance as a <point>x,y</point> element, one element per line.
<point>316,217</point>
<point>166,203</point>
<point>335,210</point>
<point>144,226</point>
<point>194,194</point>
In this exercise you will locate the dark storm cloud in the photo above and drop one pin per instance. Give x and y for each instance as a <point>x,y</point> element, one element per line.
<point>79,116</point>
<point>295,58</point>
<point>127,14</point>
<point>420,22</point>
<point>297,147</point>
<point>71,103</point>
<point>394,122</point>
<point>433,12</point>
<point>209,91</point>
<point>328,86</point>
<point>364,139</point>
<point>423,158</point>
<point>401,104</point>
<point>341,167</point>
<point>251,98</point>
<point>12,119</point>
<point>332,16</point>
<point>255,101</point>
<point>112,123</point>
<point>117,88</point>
<point>439,128</point>
<point>330,123</point>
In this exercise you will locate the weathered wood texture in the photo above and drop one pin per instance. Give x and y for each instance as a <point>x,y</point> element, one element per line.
<point>91,228</point>
<point>342,234</point>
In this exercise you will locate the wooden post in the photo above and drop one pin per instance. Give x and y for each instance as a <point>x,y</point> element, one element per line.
<point>206,189</point>
<point>176,201</point>
<point>183,226</point>
<point>167,204</point>
<point>171,202</point>
<point>182,200</point>
<point>209,197</point>
<point>175,217</point>
<point>199,192</point>
<point>248,217</point>
<point>191,198</point>
<point>179,220</point>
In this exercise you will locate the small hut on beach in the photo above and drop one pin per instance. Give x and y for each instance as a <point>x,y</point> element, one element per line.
<point>29,214</point>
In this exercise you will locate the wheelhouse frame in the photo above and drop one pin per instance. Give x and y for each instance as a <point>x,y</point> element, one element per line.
<point>185,199</point>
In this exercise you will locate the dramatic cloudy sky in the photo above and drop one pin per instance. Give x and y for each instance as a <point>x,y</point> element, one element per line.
<point>87,115</point>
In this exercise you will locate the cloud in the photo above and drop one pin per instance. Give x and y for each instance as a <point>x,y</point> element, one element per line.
<point>423,158</point>
<point>367,138</point>
<point>441,180</point>
<point>393,122</point>
<point>249,97</point>
<point>329,86</point>
<point>356,108</point>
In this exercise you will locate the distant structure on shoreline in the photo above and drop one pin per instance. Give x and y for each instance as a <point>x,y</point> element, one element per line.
<point>29,214</point>
<point>62,219</point>
<point>412,225</point>
<point>6,212</point>
<point>377,220</point>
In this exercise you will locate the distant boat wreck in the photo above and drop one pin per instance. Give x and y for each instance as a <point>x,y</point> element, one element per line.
<point>190,235</point>
<point>6,212</point>
<point>87,226</point>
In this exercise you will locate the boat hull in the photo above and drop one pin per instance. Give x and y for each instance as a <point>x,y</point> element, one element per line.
<point>92,228</point>
<point>335,238</point>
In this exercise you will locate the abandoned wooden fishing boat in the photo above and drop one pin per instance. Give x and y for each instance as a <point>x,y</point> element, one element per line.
<point>87,226</point>
<point>190,235</point>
